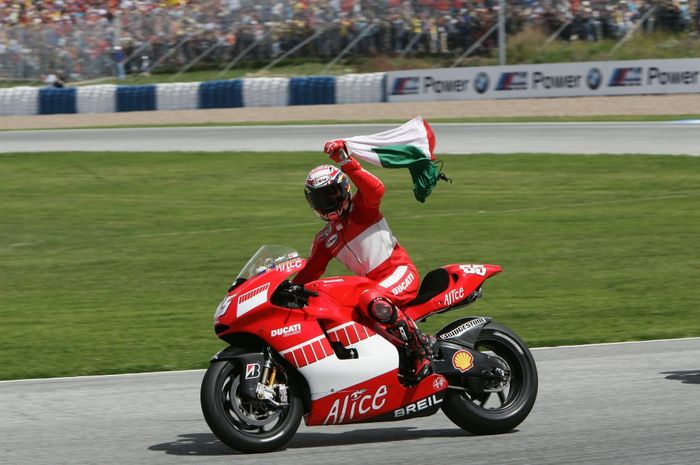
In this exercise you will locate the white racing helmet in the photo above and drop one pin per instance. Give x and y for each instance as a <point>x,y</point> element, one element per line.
<point>327,190</point>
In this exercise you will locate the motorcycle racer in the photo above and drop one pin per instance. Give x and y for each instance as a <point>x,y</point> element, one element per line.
<point>359,236</point>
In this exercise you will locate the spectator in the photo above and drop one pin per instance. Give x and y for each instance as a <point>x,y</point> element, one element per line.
<point>120,60</point>
<point>85,37</point>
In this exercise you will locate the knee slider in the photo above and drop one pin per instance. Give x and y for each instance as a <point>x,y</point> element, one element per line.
<point>378,306</point>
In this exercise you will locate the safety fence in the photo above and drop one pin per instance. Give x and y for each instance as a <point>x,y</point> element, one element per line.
<point>246,92</point>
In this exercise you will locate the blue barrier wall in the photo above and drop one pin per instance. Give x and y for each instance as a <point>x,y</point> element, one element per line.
<point>136,98</point>
<point>53,101</point>
<point>251,92</point>
<point>221,94</point>
<point>316,90</point>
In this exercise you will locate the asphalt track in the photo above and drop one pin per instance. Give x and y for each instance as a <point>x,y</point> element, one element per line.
<point>567,138</point>
<point>634,403</point>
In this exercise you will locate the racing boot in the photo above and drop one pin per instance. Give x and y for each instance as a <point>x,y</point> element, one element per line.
<point>423,348</point>
<point>420,346</point>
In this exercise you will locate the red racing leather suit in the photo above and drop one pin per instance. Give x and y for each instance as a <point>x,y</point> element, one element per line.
<point>363,242</point>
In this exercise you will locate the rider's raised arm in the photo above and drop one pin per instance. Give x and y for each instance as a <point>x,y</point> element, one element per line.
<point>369,187</point>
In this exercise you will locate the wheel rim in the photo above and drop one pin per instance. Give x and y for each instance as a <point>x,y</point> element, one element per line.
<point>513,394</point>
<point>252,417</point>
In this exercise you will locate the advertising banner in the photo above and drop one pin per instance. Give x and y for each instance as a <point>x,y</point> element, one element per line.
<point>545,80</point>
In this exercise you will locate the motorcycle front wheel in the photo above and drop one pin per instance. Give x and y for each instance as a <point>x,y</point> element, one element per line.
<point>247,425</point>
<point>501,411</point>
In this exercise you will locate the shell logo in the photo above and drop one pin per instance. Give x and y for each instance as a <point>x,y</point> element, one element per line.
<point>462,360</point>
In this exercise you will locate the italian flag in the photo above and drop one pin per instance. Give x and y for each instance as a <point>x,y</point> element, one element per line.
<point>409,146</point>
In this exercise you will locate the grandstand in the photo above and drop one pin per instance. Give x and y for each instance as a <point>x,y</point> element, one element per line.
<point>78,40</point>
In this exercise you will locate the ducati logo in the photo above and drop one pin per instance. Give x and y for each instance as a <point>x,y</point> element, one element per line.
<point>252,370</point>
<point>462,360</point>
<point>286,331</point>
<point>403,285</point>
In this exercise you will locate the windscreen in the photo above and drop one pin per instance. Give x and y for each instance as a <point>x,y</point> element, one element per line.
<point>266,258</point>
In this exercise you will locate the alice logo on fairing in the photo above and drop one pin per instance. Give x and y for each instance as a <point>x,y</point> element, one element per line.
<point>289,266</point>
<point>357,402</point>
<point>454,295</point>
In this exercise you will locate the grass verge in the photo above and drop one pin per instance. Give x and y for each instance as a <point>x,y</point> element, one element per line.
<point>114,262</point>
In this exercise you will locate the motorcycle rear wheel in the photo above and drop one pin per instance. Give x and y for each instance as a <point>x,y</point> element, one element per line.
<point>249,426</point>
<point>483,413</point>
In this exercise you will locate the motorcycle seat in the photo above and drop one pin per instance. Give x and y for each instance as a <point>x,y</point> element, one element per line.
<point>435,282</point>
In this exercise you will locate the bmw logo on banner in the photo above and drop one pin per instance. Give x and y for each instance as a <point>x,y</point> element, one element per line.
<point>481,83</point>
<point>594,78</point>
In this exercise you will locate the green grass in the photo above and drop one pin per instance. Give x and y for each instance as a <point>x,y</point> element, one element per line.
<point>114,262</point>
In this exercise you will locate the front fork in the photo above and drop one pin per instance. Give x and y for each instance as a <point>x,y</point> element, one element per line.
<point>259,375</point>
<point>266,389</point>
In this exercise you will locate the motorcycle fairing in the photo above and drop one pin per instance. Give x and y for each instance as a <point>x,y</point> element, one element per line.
<point>249,295</point>
<point>377,399</point>
<point>420,408</point>
<point>353,389</point>
<point>449,287</point>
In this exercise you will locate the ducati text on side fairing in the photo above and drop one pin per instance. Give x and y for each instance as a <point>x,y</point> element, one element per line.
<point>304,352</point>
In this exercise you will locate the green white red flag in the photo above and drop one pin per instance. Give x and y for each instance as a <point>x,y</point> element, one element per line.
<point>408,146</point>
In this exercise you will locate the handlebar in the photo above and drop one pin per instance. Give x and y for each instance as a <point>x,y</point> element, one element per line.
<point>307,292</point>
<point>291,295</point>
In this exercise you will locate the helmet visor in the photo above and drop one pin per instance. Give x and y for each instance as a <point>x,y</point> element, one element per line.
<point>326,199</point>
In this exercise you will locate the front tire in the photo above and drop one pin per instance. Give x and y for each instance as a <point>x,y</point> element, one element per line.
<point>247,425</point>
<point>482,413</point>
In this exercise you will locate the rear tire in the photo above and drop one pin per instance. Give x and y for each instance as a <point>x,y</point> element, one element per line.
<point>243,424</point>
<point>483,413</point>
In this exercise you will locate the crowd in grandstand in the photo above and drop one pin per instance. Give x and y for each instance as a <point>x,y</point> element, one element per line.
<point>81,39</point>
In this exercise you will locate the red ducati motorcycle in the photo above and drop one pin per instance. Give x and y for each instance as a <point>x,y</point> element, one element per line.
<point>304,352</point>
